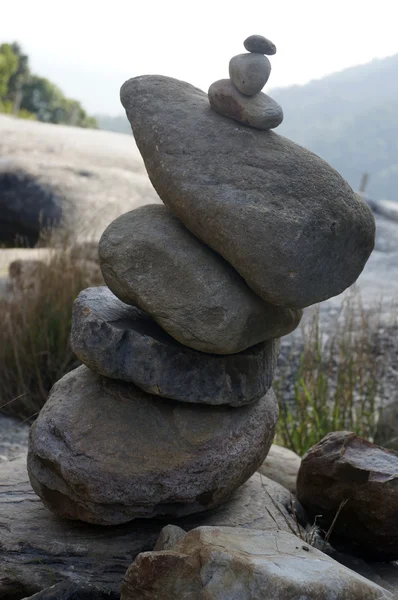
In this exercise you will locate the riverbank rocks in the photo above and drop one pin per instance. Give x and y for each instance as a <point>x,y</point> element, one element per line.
<point>149,259</point>
<point>280,215</point>
<point>123,342</point>
<point>346,471</point>
<point>221,563</point>
<point>105,452</point>
<point>173,409</point>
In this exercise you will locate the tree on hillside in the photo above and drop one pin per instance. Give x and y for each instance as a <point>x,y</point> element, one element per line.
<point>19,78</point>
<point>8,66</point>
<point>29,95</point>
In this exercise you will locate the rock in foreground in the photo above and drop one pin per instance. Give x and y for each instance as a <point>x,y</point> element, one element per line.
<point>149,259</point>
<point>344,467</point>
<point>123,342</point>
<point>221,563</point>
<point>38,549</point>
<point>105,452</point>
<point>280,215</point>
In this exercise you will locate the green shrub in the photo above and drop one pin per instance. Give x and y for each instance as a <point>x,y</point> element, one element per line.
<point>336,385</point>
<point>35,323</point>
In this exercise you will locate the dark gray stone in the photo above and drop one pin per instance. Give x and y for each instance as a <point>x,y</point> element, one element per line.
<point>280,215</point>
<point>38,549</point>
<point>73,591</point>
<point>249,72</point>
<point>260,44</point>
<point>123,342</point>
<point>259,111</point>
<point>149,259</point>
<point>104,452</point>
<point>343,467</point>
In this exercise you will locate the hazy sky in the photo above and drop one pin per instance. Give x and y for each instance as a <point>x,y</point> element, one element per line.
<point>89,48</point>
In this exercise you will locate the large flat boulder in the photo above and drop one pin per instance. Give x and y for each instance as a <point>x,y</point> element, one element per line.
<point>38,549</point>
<point>280,215</point>
<point>123,342</point>
<point>347,477</point>
<point>52,175</point>
<point>149,259</point>
<point>221,563</point>
<point>103,451</point>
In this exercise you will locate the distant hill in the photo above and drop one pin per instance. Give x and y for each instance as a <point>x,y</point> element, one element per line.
<point>349,118</point>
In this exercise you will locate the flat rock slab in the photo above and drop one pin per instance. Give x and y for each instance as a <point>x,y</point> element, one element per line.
<point>149,259</point>
<point>280,215</point>
<point>73,591</point>
<point>123,342</point>
<point>221,563</point>
<point>38,549</point>
<point>343,467</point>
<point>105,452</point>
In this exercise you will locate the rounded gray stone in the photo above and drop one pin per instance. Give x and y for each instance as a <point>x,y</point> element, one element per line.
<point>105,452</point>
<point>123,342</point>
<point>149,259</point>
<point>259,44</point>
<point>249,72</point>
<point>280,215</point>
<point>259,111</point>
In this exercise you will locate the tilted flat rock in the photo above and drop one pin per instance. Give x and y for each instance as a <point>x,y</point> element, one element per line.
<point>123,342</point>
<point>343,467</point>
<point>38,549</point>
<point>221,563</point>
<point>259,111</point>
<point>105,452</point>
<point>149,259</point>
<point>281,465</point>
<point>249,72</point>
<point>280,215</point>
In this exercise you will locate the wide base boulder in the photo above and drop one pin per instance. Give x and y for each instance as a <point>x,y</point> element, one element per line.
<point>123,342</point>
<point>38,549</point>
<point>105,452</point>
<point>224,563</point>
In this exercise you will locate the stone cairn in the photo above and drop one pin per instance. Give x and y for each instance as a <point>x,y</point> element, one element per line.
<point>173,407</point>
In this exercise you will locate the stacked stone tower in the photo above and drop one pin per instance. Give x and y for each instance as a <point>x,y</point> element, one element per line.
<point>173,407</point>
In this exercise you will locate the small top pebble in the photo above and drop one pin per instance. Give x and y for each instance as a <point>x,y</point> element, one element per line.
<point>259,44</point>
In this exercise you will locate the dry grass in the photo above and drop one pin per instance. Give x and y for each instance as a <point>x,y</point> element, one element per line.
<point>35,323</point>
<point>336,384</point>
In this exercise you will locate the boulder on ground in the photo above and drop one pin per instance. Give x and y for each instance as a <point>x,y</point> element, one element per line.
<point>149,259</point>
<point>221,563</point>
<point>280,215</point>
<point>344,471</point>
<point>123,342</point>
<point>105,452</point>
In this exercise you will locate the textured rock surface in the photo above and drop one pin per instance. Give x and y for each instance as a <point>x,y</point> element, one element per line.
<point>122,342</point>
<point>149,259</point>
<point>249,72</point>
<point>279,214</point>
<point>258,43</point>
<point>73,591</point>
<point>259,111</point>
<point>105,452</point>
<point>281,465</point>
<point>221,563</point>
<point>38,549</point>
<point>343,467</point>
<point>168,537</point>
